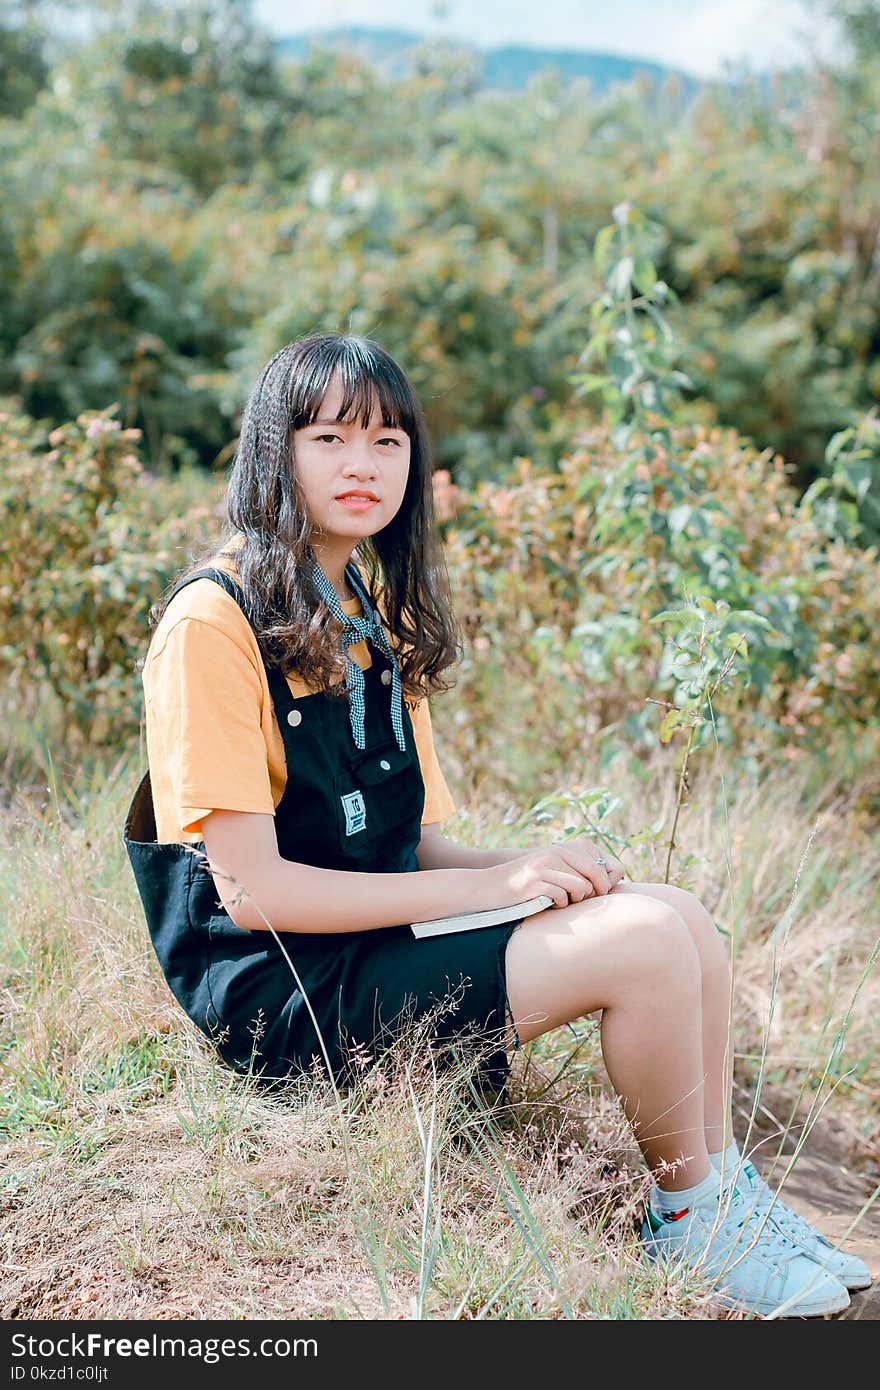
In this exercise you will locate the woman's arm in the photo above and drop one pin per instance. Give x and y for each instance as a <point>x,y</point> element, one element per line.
<point>260,889</point>
<point>254,883</point>
<point>436,852</point>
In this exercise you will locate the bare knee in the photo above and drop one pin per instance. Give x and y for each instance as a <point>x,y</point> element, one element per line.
<point>666,949</point>
<point>711,945</point>
<point>651,943</point>
<point>602,953</point>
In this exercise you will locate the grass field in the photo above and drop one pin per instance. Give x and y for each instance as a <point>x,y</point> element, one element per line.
<point>141,1179</point>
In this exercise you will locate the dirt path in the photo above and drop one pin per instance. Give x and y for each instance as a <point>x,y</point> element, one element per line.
<point>830,1196</point>
<point>826,1189</point>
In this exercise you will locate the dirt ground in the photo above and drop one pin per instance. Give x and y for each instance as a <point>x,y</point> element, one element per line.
<point>826,1189</point>
<point>830,1196</point>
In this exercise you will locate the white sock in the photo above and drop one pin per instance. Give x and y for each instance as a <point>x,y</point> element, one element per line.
<point>680,1202</point>
<point>727,1162</point>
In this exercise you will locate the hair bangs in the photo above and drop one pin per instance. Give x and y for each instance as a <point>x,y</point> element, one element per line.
<point>367,378</point>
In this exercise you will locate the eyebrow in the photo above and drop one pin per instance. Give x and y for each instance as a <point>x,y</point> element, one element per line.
<point>348,422</point>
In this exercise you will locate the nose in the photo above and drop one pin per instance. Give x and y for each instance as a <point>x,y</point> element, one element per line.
<point>359,460</point>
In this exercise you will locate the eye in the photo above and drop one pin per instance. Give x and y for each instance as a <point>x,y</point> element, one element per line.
<point>387,439</point>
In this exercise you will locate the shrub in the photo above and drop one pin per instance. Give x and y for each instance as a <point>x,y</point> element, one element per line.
<point>90,543</point>
<point>558,575</point>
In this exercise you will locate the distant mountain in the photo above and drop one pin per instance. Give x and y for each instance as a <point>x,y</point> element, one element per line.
<point>393,51</point>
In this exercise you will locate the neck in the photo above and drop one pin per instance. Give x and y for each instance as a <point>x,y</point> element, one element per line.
<point>333,565</point>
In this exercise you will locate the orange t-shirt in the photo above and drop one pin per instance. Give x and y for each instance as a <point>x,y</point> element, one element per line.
<point>213,742</point>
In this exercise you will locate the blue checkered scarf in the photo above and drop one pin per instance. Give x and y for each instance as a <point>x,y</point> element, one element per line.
<point>358,629</point>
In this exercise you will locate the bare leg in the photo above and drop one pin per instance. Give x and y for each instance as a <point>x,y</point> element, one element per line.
<point>715,973</point>
<point>633,957</point>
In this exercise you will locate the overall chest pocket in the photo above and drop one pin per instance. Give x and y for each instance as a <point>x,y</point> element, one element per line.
<point>379,794</point>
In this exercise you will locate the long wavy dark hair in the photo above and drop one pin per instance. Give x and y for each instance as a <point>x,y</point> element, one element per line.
<point>403,565</point>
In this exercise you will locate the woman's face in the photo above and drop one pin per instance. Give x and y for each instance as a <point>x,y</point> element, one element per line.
<point>332,458</point>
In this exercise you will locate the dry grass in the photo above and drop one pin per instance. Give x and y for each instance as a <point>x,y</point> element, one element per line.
<point>141,1179</point>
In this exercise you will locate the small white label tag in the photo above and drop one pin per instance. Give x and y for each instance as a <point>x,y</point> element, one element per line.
<point>355,812</point>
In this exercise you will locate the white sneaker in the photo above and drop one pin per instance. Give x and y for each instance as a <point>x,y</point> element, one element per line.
<point>849,1269</point>
<point>752,1265</point>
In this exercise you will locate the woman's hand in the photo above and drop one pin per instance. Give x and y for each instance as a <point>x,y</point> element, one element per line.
<point>567,872</point>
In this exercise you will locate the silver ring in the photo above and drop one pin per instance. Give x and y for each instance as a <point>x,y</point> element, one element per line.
<point>601,861</point>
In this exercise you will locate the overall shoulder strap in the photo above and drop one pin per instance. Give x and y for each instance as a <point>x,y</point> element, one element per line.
<point>225,581</point>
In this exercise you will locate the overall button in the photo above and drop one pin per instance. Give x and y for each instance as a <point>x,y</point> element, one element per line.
<point>295,717</point>
<point>385,766</point>
<point>385,678</point>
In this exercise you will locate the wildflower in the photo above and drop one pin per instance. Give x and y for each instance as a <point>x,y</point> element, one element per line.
<point>99,427</point>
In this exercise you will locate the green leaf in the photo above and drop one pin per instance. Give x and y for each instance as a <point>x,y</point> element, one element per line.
<point>682,379</point>
<point>672,720</point>
<point>686,617</point>
<point>837,443</point>
<point>856,477</point>
<point>659,320</point>
<point>589,381</point>
<point>620,277</point>
<point>602,245</point>
<point>757,619</point>
<point>644,275</point>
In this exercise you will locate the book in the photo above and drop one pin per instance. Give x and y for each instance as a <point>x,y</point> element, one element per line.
<point>491,917</point>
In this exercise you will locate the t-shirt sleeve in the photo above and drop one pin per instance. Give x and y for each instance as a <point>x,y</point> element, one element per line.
<point>204,698</point>
<point>438,798</point>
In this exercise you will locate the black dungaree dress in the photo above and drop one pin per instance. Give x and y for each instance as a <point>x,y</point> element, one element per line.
<point>342,808</point>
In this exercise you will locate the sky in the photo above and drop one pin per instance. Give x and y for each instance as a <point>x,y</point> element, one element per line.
<point>702,37</point>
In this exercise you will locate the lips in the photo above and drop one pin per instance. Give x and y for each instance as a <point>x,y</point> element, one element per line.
<point>357,494</point>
